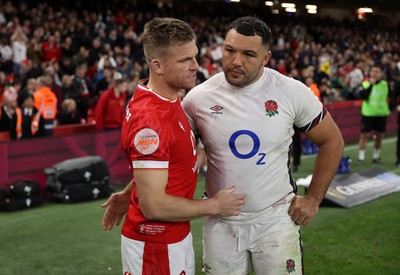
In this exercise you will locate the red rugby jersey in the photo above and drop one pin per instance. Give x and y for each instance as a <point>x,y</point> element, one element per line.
<point>156,135</point>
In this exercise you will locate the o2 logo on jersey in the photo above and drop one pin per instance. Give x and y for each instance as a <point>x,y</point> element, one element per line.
<point>254,150</point>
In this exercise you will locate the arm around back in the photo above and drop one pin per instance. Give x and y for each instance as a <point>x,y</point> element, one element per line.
<point>156,204</point>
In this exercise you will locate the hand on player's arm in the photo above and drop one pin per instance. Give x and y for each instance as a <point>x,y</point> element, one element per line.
<point>156,204</point>
<point>116,207</point>
<point>329,139</point>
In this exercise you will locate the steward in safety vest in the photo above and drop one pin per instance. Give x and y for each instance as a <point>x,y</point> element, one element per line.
<point>374,112</point>
<point>375,98</point>
<point>46,102</point>
<point>27,120</point>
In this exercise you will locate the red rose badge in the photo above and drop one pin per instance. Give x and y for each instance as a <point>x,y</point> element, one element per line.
<point>290,266</point>
<point>271,108</point>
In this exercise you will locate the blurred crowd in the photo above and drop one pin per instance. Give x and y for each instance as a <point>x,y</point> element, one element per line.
<point>65,58</point>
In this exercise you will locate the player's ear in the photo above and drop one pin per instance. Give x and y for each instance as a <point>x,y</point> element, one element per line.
<point>267,57</point>
<point>156,66</point>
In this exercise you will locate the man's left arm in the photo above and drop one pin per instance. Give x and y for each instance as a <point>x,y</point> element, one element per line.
<point>330,141</point>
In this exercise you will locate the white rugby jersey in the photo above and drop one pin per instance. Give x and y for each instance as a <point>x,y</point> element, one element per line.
<point>247,133</point>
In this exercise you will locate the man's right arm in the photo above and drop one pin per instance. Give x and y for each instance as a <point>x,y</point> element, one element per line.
<point>117,206</point>
<point>156,204</point>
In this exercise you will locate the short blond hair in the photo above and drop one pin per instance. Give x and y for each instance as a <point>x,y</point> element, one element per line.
<point>160,33</point>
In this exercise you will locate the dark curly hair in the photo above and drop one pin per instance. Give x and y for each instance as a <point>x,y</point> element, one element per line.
<point>249,26</point>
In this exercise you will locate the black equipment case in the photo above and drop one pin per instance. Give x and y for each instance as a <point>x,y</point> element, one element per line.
<point>78,179</point>
<point>23,194</point>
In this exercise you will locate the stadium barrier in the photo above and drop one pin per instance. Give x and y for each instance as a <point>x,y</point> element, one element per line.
<point>347,115</point>
<point>28,158</point>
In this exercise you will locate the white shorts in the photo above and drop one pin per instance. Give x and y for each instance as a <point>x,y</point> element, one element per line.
<point>145,258</point>
<point>270,245</point>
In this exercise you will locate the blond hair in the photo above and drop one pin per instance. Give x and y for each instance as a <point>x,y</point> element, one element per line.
<point>160,33</point>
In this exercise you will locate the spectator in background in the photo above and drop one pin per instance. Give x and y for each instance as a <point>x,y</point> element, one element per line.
<point>297,150</point>
<point>215,51</point>
<point>111,105</point>
<point>310,83</point>
<point>67,66</point>
<point>67,48</point>
<point>67,90</point>
<point>27,71</point>
<point>3,81</point>
<point>51,52</point>
<point>6,56</point>
<point>30,88</point>
<point>203,72</point>
<point>353,80</point>
<point>82,90</point>
<point>106,61</point>
<point>69,113</point>
<point>13,87</point>
<point>281,67</point>
<point>103,84</point>
<point>7,112</point>
<point>133,81</point>
<point>49,77</point>
<point>34,52</point>
<point>95,52</point>
<point>27,121</point>
<point>327,93</point>
<point>82,56</point>
<point>19,42</point>
<point>46,102</point>
<point>374,113</point>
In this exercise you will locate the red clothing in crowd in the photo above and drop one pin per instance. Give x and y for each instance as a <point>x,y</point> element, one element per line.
<point>110,110</point>
<point>50,52</point>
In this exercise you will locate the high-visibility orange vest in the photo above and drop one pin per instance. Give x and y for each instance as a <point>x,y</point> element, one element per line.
<point>34,125</point>
<point>46,102</point>
<point>314,88</point>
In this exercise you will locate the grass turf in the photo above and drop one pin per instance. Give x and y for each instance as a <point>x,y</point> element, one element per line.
<point>68,239</point>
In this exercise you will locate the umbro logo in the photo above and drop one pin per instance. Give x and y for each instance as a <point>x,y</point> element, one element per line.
<point>216,109</point>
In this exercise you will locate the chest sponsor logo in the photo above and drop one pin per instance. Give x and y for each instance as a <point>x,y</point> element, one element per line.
<point>146,141</point>
<point>216,110</point>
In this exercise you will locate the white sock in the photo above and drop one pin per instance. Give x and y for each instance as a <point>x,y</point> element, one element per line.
<point>376,154</point>
<point>361,154</point>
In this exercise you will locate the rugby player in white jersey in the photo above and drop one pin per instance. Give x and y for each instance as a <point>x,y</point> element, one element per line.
<point>244,117</point>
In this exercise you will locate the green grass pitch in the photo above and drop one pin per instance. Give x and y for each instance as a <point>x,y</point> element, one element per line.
<point>64,239</point>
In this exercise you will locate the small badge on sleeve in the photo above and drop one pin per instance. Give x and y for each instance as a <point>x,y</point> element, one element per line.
<point>146,141</point>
